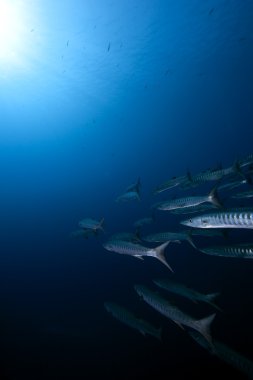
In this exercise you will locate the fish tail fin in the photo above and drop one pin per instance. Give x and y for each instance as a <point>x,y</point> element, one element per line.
<point>159,254</point>
<point>214,198</point>
<point>203,326</point>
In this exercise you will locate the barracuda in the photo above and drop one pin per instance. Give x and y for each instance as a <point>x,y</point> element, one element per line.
<point>236,218</point>
<point>238,250</point>
<point>185,202</point>
<point>137,250</point>
<point>172,312</point>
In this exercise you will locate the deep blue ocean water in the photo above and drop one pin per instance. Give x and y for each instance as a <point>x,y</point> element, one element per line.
<point>93,95</point>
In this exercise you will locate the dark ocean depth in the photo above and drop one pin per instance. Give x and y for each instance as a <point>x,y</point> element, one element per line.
<point>94,95</point>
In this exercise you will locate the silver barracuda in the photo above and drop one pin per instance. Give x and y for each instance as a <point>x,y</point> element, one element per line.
<point>243,195</point>
<point>234,358</point>
<point>191,201</point>
<point>172,312</point>
<point>169,236</point>
<point>233,218</point>
<point>211,175</point>
<point>194,209</point>
<point>244,251</point>
<point>171,183</point>
<point>137,250</point>
<point>129,319</point>
<point>225,353</point>
<point>182,290</point>
<point>232,185</point>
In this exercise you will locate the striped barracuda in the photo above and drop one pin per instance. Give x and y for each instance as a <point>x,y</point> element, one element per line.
<point>171,183</point>
<point>234,218</point>
<point>137,250</point>
<point>169,236</point>
<point>128,318</point>
<point>172,312</point>
<point>184,291</point>
<point>244,194</point>
<point>225,353</point>
<point>185,202</point>
<point>237,250</point>
<point>211,175</point>
<point>194,209</point>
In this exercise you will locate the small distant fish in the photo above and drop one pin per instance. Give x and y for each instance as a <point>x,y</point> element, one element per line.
<point>131,193</point>
<point>92,224</point>
<point>174,313</point>
<point>211,11</point>
<point>180,289</point>
<point>128,318</point>
<point>143,221</point>
<point>67,43</point>
<point>128,196</point>
<point>109,46</point>
<point>137,250</point>
<point>244,251</point>
<point>233,218</point>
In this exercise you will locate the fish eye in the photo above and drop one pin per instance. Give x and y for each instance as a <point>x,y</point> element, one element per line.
<point>190,220</point>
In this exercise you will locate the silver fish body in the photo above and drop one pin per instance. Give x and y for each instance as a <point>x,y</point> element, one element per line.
<point>237,250</point>
<point>191,201</point>
<point>137,250</point>
<point>184,291</point>
<point>160,237</point>
<point>236,218</point>
<point>172,312</point>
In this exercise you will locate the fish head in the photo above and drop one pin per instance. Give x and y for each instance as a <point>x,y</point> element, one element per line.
<point>197,222</point>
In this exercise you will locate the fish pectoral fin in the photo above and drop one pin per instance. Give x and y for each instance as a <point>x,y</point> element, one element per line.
<point>139,257</point>
<point>179,324</point>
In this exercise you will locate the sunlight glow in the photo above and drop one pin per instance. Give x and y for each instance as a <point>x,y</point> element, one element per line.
<point>12,31</point>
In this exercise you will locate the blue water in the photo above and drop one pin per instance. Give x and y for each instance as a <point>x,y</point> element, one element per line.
<point>96,94</point>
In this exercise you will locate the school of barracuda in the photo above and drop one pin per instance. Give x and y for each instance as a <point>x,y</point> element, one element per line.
<point>210,215</point>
